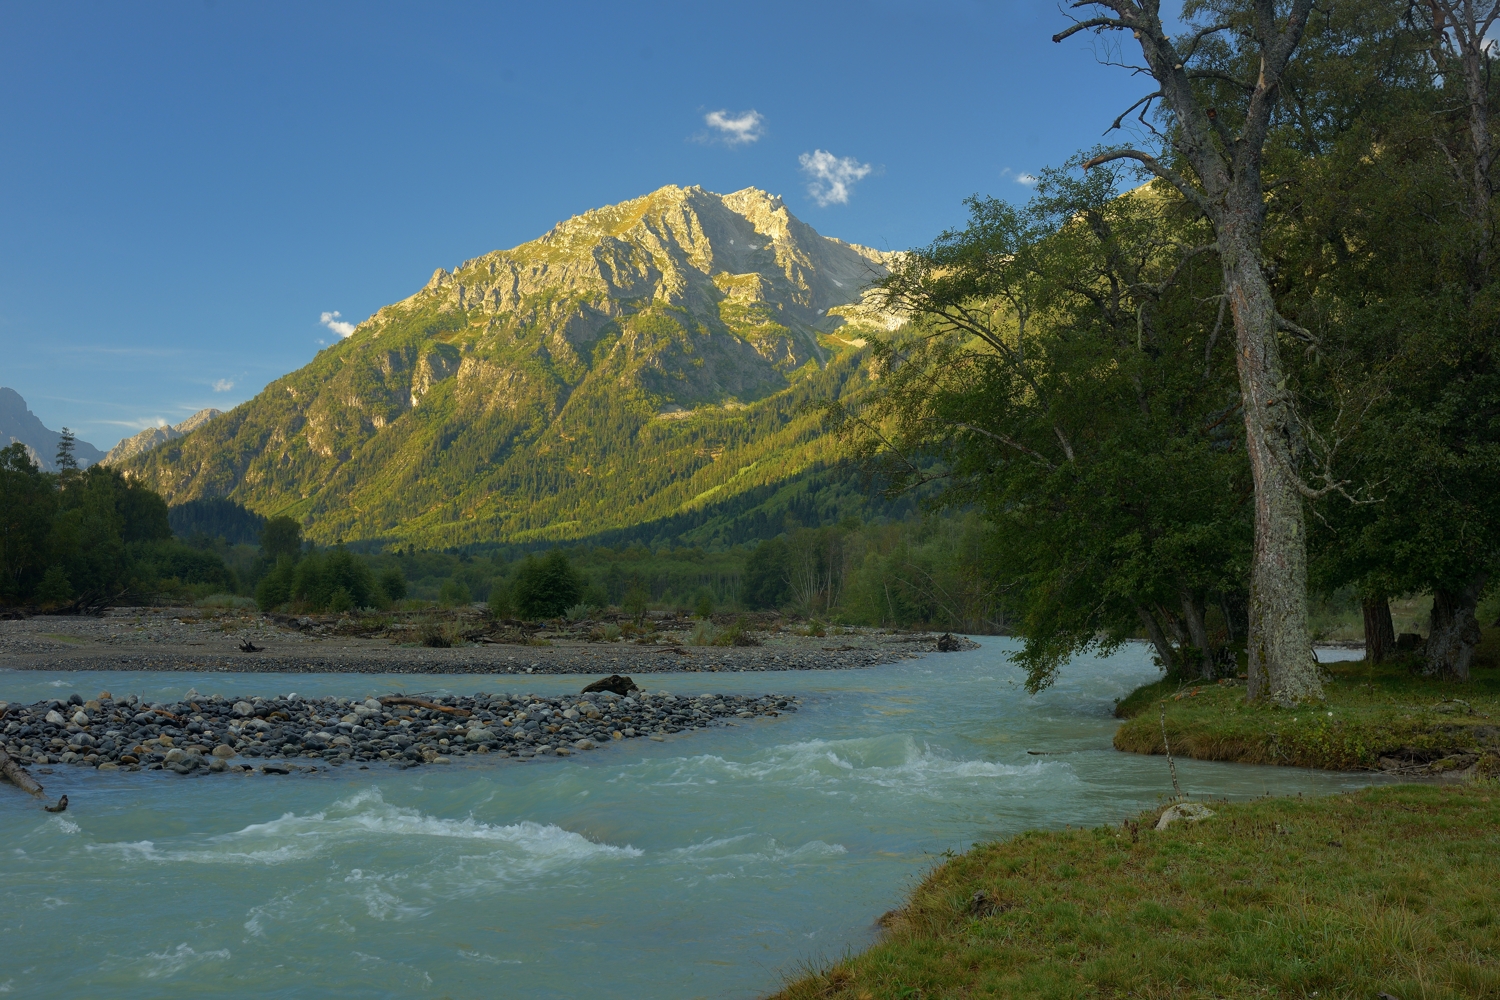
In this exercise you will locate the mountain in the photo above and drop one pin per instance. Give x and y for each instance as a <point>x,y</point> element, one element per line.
<point>638,362</point>
<point>18,423</point>
<point>149,438</point>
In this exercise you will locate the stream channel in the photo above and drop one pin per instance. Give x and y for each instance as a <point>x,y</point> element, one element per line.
<point>709,865</point>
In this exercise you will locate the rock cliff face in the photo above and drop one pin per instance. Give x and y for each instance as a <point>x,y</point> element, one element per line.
<point>629,363</point>
<point>149,438</point>
<point>18,423</point>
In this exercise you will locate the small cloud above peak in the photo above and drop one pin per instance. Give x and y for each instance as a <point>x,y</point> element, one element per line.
<point>735,129</point>
<point>338,326</point>
<point>832,177</point>
<point>223,385</point>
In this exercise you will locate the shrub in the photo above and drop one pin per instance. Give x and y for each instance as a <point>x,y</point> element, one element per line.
<point>275,588</point>
<point>577,612</point>
<point>393,584</point>
<point>453,593</point>
<point>703,606</point>
<point>54,588</point>
<point>501,605</point>
<point>546,588</point>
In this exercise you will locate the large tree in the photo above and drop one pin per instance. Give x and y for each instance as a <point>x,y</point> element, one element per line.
<point>1212,152</point>
<point>1065,374</point>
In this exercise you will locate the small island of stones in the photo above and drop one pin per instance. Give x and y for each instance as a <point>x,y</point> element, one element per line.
<point>213,733</point>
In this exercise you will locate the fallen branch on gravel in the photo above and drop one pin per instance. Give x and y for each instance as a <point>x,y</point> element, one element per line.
<point>398,700</point>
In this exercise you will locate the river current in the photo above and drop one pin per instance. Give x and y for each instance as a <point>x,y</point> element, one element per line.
<point>713,864</point>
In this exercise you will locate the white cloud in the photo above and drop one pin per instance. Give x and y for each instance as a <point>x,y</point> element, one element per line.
<point>338,326</point>
<point>223,385</point>
<point>832,176</point>
<point>736,129</point>
<point>1020,177</point>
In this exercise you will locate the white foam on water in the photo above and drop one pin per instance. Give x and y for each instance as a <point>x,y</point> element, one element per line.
<point>478,956</point>
<point>894,764</point>
<point>752,848</point>
<point>366,818</point>
<point>59,824</point>
<point>158,964</point>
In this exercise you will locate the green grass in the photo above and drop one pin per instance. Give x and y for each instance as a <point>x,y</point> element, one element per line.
<point>1371,713</point>
<point>1393,890</point>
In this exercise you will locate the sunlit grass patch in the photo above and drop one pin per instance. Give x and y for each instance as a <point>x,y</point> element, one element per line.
<point>1372,713</point>
<point>1392,890</point>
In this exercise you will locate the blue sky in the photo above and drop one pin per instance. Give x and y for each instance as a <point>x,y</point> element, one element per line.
<point>191,186</point>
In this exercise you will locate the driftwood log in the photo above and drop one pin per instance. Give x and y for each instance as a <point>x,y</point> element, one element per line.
<point>18,776</point>
<point>402,700</point>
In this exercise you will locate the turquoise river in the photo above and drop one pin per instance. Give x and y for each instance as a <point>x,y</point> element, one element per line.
<point>713,864</point>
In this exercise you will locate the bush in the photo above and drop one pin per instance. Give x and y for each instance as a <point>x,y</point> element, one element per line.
<point>453,593</point>
<point>577,612</point>
<point>275,588</point>
<point>393,584</point>
<point>766,574</point>
<point>546,588</point>
<point>54,588</point>
<point>637,599</point>
<point>704,605</point>
<point>501,605</point>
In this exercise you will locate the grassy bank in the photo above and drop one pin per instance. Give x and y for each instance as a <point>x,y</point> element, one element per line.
<point>1393,890</point>
<point>1382,718</point>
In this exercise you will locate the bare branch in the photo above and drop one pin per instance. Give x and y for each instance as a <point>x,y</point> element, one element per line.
<point>1093,22</point>
<point>1009,442</point>
<point>1154,165</point>
<point>1145,100</point>
<point>1306,336</point>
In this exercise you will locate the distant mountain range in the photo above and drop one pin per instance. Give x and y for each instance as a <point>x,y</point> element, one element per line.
<point>149,438</point>
<point>18,423</point>
<point>643,362</point>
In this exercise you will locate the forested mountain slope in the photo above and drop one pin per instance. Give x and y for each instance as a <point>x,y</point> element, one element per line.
<point>636,363</point>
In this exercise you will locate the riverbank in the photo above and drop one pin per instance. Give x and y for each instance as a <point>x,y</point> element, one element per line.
<point>217,734</point>
<point>1389,891</point>
<point>443,642</point>
<point>1379,718</point>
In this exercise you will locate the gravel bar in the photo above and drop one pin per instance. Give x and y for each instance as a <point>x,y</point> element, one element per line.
<point>276,735</point>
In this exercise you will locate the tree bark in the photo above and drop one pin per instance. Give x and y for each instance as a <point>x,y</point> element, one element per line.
<point>1281,662</point>
<point>1380,632</point>
<point>1454,631</point>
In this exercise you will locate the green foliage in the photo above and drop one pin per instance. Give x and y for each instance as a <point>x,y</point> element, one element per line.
<point>500,603</point>
<point>275,588</point>
<point>454,593</point>
<point>1055,371</point>
<point>281,536</point>
<point>392,584</point>
<point>91,535</point>
<point>215,517</point>
<point>767,572</point>
<point>54,588</point>
<point>546,587</point>
<point>703,603</point>
<point>320,575</point>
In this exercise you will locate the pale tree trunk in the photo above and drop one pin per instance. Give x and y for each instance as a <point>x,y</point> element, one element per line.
<point>1380,631</point>
<point>1281,662</point>
<point>1228,190</point>
<point>1454,630</point>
